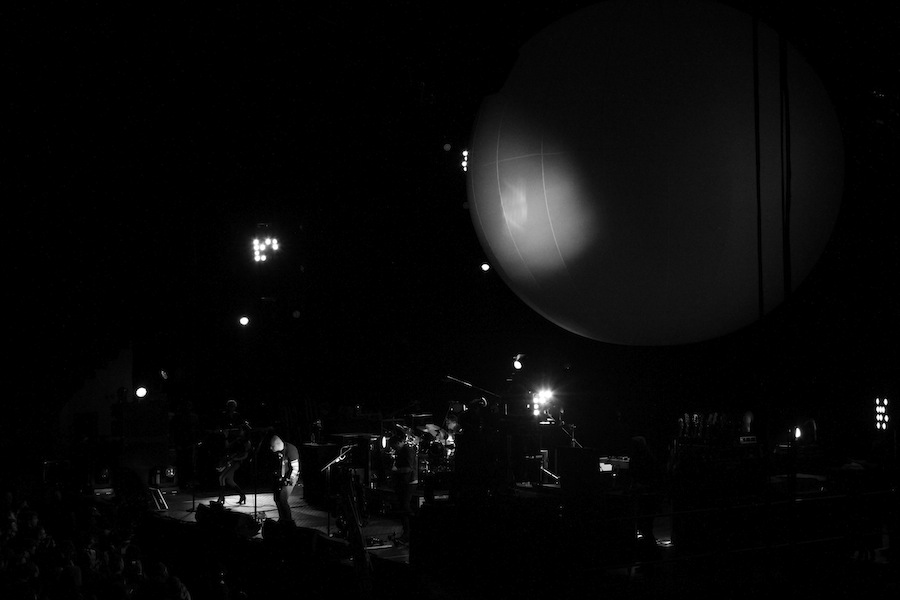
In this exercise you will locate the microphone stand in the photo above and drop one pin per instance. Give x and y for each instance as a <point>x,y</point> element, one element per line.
<point>194,447</point>
<point>474,387</point>
<point>256,478</point>
<point>327,469</point>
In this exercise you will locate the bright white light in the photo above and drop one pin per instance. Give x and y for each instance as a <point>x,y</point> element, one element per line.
<point>545,395</point>
<point>485,267</point>
<point>140,392</point>
<point>517,364</point>
<point>244,321</point>
<point>797,433</point>
<point>261,249</point>
<point>537,412</point>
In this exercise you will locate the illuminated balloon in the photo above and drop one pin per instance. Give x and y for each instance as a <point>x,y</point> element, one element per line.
<point>612,180</point>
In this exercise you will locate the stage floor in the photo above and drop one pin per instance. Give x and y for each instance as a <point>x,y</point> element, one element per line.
<point>377,529</point>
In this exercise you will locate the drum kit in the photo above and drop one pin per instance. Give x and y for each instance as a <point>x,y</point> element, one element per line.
<point>435,446</point>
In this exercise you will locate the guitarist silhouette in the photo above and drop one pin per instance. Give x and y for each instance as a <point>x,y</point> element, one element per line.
<point>236,453</point>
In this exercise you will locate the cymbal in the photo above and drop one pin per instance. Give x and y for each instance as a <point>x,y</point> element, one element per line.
<point>434,429</point>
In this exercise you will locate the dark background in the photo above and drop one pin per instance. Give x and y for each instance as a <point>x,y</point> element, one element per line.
<point>143,147</point>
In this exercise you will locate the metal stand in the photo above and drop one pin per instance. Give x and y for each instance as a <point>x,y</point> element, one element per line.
<point>553,475</point>
<point>571,434</point>
<point>194,480</point>
<point>327,469</point>
<point>255,459</point>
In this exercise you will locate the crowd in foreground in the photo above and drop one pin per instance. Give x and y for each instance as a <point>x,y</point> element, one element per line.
<point>57,543</point>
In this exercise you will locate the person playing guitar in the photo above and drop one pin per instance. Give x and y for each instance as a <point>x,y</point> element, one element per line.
<point>287,475</point>
<point>236,453</point>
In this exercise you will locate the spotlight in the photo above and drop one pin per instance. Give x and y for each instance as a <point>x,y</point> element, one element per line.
<point>244,321</point>
<point>465,160</point>
<point>882,417</point>
<point>265,244</point>
<point>140,392</point>
<point>262,248</point>
<point>485,267</point>
<point>517,362</point>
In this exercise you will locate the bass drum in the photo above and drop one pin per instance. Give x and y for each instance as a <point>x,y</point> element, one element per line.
<point>439,456</point>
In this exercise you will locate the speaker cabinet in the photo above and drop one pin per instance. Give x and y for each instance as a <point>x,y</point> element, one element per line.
<point>312,458</point>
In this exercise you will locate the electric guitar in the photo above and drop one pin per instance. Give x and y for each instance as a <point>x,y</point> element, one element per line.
<point>224,463</point>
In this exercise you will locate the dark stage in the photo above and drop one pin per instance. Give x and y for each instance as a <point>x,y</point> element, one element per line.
<point>640,257</point>
<point>731,519</point>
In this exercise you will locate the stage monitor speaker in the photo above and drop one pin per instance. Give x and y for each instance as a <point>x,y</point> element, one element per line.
<point>225,521</point>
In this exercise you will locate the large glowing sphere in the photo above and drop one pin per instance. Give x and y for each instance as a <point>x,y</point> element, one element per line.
<point>613,179</point>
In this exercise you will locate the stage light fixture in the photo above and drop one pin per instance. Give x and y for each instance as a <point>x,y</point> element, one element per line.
<point>244,321</point>
<point>797,433</point>
<point>485,267</point>
<point>465,160</point>
<point>517,362</point>
<point>140,392</point>
<point>882,418</point>
<point>263,247</point>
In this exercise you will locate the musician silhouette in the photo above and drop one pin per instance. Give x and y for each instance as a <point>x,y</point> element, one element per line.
<point>236,452</point>
<point>406,479</point>
<point>231,420</point>
<point>287,474</point>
